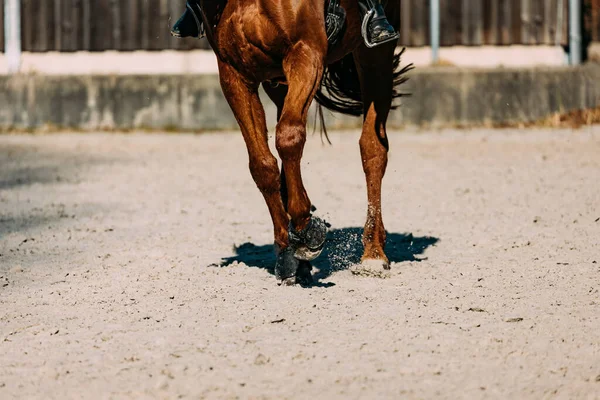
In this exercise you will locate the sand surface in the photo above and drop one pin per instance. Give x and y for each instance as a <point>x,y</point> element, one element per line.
<point>137,266</point>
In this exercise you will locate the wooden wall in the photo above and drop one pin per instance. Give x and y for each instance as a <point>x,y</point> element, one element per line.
<point>97,25</point>
<point>592,19</point>
<point>487,22</point>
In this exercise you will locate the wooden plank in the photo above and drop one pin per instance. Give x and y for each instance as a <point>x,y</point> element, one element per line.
<point>115,13</point>
<point>450,27</point>
<point>43,26</point>
<point>565,25</point>
<point>76,32</point>
<point>491,12</point>
<point>64,24</point>
<point>426,22</point>
<point>162,30</point>
<point>418,35</point>
<point>86,21</point>
<point>57,25</point>
<point>596,20</point>
<point>593,20</point>
<point>464,22</point>
<point>548,22</point>
<point>144,25</point>
<point>28,22</point>
<point>67,22</point>
<point>525,21</point>
<point>471,22</point>
<point>505,21</point>
<point>130,25</point>
<point>36,20</point>
<point>174,12</point>
<point>101,26</point>
<point>49,41</point>
<point>405,22</point>
<point>476,23</point>
<point>2,26</point>
<point>517,22</point>
<point>556,23</point>
<point>445,26</point>
<point>153,22</point>
<point>537,21</point>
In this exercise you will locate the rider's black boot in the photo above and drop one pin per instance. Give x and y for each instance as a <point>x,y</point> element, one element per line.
<point>190,23</point>
<point>376,29</point>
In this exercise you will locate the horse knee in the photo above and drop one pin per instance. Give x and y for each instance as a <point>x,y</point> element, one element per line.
<point>290,141</point>
<point>265,173</point>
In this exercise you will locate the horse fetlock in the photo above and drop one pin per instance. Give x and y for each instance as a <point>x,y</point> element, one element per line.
<point>308,243</point>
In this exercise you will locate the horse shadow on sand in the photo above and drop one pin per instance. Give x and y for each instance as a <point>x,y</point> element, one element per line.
<point>343,249</point>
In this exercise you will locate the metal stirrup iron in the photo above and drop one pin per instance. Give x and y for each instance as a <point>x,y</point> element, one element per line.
<point>201,32</point>
<point>373,6</point>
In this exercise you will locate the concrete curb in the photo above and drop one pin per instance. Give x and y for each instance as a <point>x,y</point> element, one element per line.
<point>440,97</point>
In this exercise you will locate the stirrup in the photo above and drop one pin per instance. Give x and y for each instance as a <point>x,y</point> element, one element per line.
<point>365,31</point>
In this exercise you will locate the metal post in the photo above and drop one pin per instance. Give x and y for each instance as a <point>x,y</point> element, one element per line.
<point>575,31</point>
<point>12,34</point>
<point>435,30</point>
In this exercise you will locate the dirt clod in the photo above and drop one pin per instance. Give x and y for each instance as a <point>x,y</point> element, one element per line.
<point>518,319</point>
<point>476,309</point>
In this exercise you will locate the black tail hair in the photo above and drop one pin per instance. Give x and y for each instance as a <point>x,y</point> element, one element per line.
<point>340,87</point>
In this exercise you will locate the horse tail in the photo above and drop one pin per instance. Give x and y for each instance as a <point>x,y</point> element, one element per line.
<point>340,86</point>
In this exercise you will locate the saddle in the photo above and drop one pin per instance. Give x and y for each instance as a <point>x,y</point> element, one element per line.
<point>191,22</point>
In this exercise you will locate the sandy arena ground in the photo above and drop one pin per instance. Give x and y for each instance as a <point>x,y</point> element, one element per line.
<point>137,266</point>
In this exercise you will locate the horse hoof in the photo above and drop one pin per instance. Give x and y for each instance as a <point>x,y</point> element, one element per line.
<point>309,242</point>
<point>303,276</point>
<point>287,265</point>
<point>374,268</point>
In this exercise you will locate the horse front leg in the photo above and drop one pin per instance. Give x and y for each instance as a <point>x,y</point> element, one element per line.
<point>303,68</point>
<point>246,106</point>
<point>278,95</point>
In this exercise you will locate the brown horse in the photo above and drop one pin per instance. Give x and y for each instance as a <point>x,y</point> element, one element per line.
<point>282,44</point>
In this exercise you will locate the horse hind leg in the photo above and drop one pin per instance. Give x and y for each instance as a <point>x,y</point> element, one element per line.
<point>375,68</point>
<point>277,94</point>
<point>303,67</point>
